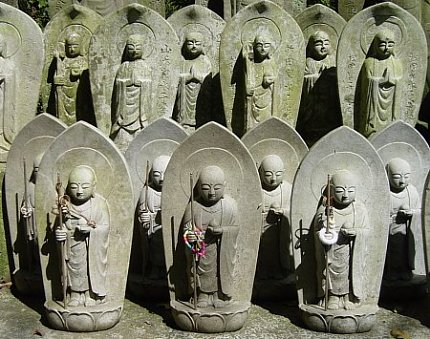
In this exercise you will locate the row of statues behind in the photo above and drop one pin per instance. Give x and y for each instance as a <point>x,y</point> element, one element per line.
<point>380,87</point>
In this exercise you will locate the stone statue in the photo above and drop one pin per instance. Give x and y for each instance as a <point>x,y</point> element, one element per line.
<point>211,220</point>
<point>405,211</point>
<point>85,232</point>
<point>8,93</point>
<point>149,216</point>
<point>274,257</point>
<point>260,77</point>
<point>131,99</point>
<point>319,107</point>
<point>194,91</point>
<point>380,85</point>
<point>70,79</point>
<point>341,228</point>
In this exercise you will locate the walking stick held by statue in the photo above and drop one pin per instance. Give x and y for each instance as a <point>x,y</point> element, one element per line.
<point>62,201</point>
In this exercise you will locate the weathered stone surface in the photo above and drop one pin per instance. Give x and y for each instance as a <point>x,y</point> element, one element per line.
<point>153,76</point>
<point>28,147</point>
<point>230,7</point>
<point>21,60</point>
<point>275,147</point>
<point>198,98</point>
<point>405,271</point>
<point>348,8</point>
<point>96,224</point>
<point>402,73</point>
<point>343,153</point>
<point>65,88</point>
<point>13,3</point>
<point>274,80</point>
<point>213,157</point>
<point>105,7</point>
<point>319,106</point>
<point>155,145</point>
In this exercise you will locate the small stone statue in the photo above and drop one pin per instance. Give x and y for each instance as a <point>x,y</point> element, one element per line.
<point>211,221</point>
<point>149,215</point>
<point>319,106</point>
<point>8,92</point>
<point>84,232</point>
<point>380,85</point>
<point>259,79</point>
<point>69,72</point>
<point>132,94</point>
<point>275,255</point>
<point>405,210</point>
<point>341,228</point>
<point>194,81</point>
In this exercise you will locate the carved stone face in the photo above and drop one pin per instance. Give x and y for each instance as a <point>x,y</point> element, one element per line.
<point>262,47</point>
<point>134,47</point>
<point>211,184</point>
<point>399,173</point>
<point>193,45</point>
<point>320,45</point>
<point>384,45</point>
<point>157,172</point>
<point>271,172</point>
<point>73,50</point>
<point>343,188</point>
<point>81,185</point>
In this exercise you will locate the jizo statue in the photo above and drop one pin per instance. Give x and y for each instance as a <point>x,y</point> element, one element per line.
<point>260,77</point>
<point>274,258</point>
<point>68,77</point>
<point>8,92</point>
<point>405,210</point>
<point>84,234</point>
<point>149,215</point>
<point>194,83</point>
<point>342,227</point>
<point>210,229</point>
<point>131,100</point>
<point>380,85</point>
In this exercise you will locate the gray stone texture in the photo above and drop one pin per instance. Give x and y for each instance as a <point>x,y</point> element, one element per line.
<point>105,7</point>
<point>29,146</point>
<point>109,241</point>
<point>285,64</point>
<point>341,149</point>
<point>161,57</point>
<point>65,91</point>
<point>211,145</point>
<point>404,64</point>
<point>21,61</point>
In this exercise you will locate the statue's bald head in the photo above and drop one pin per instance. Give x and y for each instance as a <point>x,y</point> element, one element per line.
<point>343,187</point>
<point>271,171</point>
<point>159,166</point>
<point>81,184</point>
<point>211,184</point>
<point>399,172</point>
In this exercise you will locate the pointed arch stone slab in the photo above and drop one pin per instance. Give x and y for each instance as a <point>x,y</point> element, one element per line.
<point>275,137</point>
<point>70,19</point>
<point>211,144</point>
<point>341,149</point>
<point>105,7</point>
<point>288,56</point>
<point>401,140</point>
<point>348,8</point>
<point>21,67</point>
<point>30,143</point>
<point>162,56</point>
<point>83,144</point>
<point>354,44</point>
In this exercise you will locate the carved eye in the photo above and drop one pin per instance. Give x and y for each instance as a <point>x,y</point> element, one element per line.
<point>74,186</point>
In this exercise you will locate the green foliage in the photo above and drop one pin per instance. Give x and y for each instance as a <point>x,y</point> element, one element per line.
<point>37,9</point>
